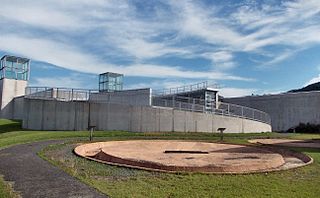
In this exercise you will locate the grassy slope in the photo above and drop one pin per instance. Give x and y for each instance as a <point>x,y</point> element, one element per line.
<point>122,182</point>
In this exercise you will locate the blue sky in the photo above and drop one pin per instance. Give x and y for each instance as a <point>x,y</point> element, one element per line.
<point>246,47</point>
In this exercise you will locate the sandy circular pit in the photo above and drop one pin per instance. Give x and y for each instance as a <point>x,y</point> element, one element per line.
<point>176,156</point>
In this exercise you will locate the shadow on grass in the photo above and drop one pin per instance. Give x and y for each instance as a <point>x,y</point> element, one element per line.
<point>305,150</point>
<point>10,125</point>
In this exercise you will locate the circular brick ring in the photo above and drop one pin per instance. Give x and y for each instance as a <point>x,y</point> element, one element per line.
<point>186,156</point>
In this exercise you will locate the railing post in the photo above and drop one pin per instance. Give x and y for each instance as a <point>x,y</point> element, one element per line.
<point>193,104</point>
<point>173,102</point>
<point>71,94</point>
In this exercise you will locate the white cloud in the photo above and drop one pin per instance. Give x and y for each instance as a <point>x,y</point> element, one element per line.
<point>196,21</point>
<point>71,58</point>
<point>222,56</point>
<point>283,25</point>
<point>221,60</point>
<point>142,49</point>
<point>184,29</point>
<point>50,51</point>
<point>148,70</point>
<point>277,25</point>
<point>40,16</point>
<point>70,81</point>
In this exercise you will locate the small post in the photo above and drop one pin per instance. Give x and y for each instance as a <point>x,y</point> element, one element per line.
<point>241,111</point>
<point>91,130</point>
<point>173,102</point>
<point>72,95</point>
<point>221,130</point>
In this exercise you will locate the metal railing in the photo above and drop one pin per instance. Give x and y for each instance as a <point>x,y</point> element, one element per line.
<point>62,94</point>
<point>225,109</point>
<point>186,88</point>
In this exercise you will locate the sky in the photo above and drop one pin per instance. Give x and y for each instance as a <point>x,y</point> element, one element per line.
<point>247,47</point>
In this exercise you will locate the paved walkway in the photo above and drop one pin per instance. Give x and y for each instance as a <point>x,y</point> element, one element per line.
<point>35,177</point>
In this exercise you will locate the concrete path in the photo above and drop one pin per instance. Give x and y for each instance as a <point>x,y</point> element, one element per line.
<point>35,177</point>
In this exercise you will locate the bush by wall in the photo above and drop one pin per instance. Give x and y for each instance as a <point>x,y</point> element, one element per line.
<point>306,128</point>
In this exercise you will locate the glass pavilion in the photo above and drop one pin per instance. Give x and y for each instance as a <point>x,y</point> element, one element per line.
<point>110,82</point>
<point>12,67</point>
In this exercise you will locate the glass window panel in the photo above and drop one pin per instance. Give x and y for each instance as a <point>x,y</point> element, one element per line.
<point>8,64</point>
<point>15,65</point>
<point>10,74</point>
<point>20,76</point>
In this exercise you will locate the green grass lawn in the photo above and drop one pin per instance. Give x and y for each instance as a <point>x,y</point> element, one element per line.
<point>125,182</point>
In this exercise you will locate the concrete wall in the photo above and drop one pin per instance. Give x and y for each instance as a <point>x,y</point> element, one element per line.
<point>58,115</point>
<point>9,89</point>
<point>286,110</point>
<point>141,97</point>
<point>55,115</point>
<point>18,108</point>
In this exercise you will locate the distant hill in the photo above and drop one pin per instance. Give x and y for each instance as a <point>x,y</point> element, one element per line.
<point>312,87</point>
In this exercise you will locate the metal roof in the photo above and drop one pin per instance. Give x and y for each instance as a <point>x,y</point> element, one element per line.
<point>15,59</point>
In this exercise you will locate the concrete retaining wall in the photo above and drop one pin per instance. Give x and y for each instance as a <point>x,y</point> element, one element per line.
<point>18,108</point>
<point>58,115</point>
<point>286,110</point>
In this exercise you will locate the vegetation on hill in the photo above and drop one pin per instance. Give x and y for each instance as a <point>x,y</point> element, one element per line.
<point>312,87</point>
<point>306,128</point>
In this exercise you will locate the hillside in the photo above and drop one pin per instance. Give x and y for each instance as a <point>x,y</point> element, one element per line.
<point>311,87</point>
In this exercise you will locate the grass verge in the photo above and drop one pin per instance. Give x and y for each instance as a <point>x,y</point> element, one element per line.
<point>6,190</point>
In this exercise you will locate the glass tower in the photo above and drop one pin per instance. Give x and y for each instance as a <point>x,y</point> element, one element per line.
<point>12,67</point>
<point>110,82</point>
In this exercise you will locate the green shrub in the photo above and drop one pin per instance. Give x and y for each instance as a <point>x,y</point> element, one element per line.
<point>306,128</point>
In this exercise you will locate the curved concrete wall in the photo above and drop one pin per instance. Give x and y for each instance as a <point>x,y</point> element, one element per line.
<point>286,110</point>
<point>58,115</point>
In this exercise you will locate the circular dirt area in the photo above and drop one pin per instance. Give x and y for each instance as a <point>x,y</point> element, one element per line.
<point>175,156</point>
